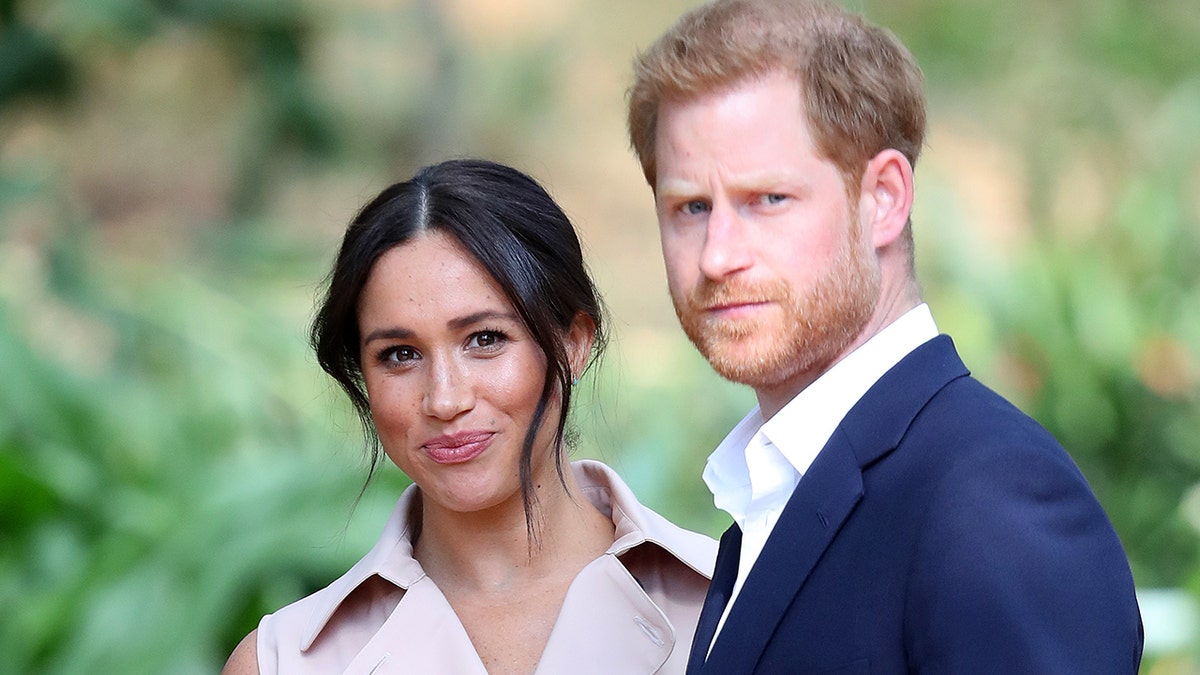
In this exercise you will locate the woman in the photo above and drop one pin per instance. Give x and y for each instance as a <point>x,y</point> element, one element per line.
<point>458,318</point>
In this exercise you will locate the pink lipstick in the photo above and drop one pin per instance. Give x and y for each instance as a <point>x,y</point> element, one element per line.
<point>458,448</point>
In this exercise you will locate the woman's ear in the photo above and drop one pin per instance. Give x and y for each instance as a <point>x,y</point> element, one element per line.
<point>887,196</point>
<point>579,343</point>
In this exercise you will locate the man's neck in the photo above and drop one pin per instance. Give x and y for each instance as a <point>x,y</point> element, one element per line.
<point>889,308</point>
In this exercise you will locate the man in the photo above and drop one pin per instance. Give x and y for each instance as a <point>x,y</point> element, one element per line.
<point>891,513</point>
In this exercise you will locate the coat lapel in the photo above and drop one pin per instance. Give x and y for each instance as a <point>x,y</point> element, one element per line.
<point>823,500</point>
<point>724,575</point>
<point>607,625</point>
<point>422,618</point>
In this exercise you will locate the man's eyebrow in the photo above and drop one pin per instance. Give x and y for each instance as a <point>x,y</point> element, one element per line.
<point>674,188</point>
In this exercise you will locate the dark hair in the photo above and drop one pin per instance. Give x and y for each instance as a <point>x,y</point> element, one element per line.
<point>508,223</point>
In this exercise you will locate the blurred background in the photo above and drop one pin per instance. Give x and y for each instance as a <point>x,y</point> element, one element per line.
<point>175,176</point>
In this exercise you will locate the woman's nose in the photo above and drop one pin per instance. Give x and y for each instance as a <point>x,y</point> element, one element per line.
<point>448,391</point>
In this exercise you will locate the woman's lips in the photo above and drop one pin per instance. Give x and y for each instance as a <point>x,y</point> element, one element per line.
<point>458,448</point>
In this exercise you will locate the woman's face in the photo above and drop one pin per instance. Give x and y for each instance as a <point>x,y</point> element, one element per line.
<point>452,375</point>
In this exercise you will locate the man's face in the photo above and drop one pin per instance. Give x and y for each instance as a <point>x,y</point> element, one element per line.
<point>766,259</point>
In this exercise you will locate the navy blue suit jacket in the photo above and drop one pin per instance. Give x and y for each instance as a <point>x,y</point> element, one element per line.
<point>940,530</point>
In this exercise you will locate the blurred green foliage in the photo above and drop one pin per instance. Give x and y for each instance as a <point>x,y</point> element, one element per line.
<point>175,174</point>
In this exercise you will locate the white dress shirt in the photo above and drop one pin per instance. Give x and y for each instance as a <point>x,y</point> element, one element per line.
<point>753,472</point>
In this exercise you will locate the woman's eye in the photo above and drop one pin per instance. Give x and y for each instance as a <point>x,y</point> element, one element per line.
<point>486,339</point>
<point>398,354</point>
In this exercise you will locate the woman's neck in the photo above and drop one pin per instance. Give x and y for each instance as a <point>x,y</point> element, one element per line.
<point>491,550</point>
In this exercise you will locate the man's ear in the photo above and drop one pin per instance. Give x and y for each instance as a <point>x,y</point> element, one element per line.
<point>887,196</point>
<point>579,343</point>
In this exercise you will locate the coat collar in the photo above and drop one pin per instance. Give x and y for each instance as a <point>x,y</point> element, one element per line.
<point>606,625</point>
<point>882,417</point>
<point>637,525</point>
<point>391,558</point>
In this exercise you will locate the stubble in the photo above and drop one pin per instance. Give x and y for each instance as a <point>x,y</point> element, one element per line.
<point>807,332</point>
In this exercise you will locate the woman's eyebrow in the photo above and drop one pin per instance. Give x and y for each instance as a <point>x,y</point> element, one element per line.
<point>387,334</point>
<point>477,317</point>
<point>457,323</point>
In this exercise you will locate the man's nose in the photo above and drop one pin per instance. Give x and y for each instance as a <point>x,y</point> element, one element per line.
<point>726,249</point>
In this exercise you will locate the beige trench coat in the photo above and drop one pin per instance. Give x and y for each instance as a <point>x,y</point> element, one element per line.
<point>632,610</point>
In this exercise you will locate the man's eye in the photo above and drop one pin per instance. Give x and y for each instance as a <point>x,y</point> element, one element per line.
<point>773,198</point>
<point>695,207</point>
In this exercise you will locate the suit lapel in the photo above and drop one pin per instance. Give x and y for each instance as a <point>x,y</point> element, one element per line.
<point>823,500</point>
<point>875,425</point>
<point>724,574</point>
<point>807,525</point>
